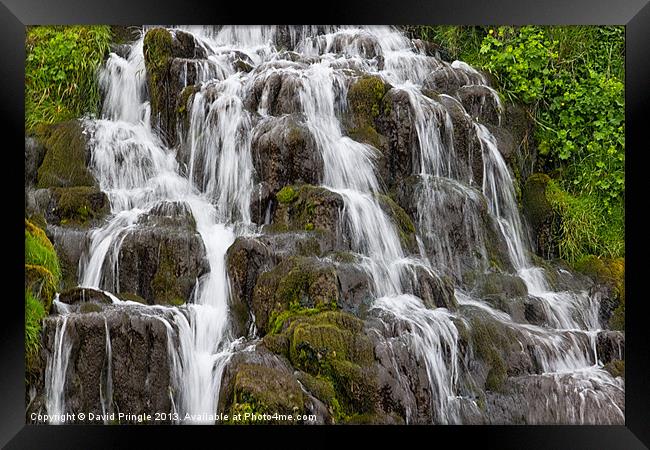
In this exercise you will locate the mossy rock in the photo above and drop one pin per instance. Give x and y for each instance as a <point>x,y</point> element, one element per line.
<point>66,157</point>
<point>90,308</point>
<point>157,49</point>
<point>539,211</point>
<point>364,107</point>
<point>608,272</point>
<point>491,341</point>
<point>323,389</point>
<point>307,208</point>
<point>616,368</point>
<point>77,205</point>
<point>332,346</point>
<point>265,390</point>
<point>165,288</point>
<point>131,297</point>
<point>401,219</point>
<point>294,285</point>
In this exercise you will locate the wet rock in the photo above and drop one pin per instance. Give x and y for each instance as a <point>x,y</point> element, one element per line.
<point>162,259</point>
<point>284,152</point>
<point>69,243</point>
<point>364,101</point>
<point>66,157</point>
<point>306,207</point>
<point>79,295</point>
<point>555,399</point>
<point>610,345</point>
<point>540,215</point>
<point>396,123</point>
<point>34,154</point>
<point>275,92</point>
<point>481,103</point>
<point>82,206</point>
<point>450,78</point>
<point>458,233</point>
<point>467,145</point>
<point>139,361</point>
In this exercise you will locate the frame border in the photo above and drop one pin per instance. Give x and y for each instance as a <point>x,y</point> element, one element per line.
<point>635,14</point>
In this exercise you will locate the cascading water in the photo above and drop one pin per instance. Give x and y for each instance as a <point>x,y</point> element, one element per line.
<point>215,180</point>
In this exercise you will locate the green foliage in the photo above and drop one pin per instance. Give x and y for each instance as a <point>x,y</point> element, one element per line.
<point>571,80</point>
<point>286,195</point>
<point>582,227</point>
<point>60,72</point>
<point>39,250</point>
<point>34,314</point>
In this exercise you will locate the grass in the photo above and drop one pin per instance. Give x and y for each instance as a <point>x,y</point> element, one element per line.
<point>60,72</point>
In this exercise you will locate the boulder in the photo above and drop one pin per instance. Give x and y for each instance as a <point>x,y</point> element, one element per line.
<point>284,152</point>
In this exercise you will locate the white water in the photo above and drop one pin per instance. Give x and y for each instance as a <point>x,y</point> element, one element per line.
<point>55,373</point>
<point>137,172</point>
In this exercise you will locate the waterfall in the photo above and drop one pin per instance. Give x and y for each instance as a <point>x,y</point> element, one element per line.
<point>210,169</point>
<point>55,373</point>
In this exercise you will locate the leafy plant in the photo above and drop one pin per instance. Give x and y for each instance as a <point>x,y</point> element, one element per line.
<point>60,71</point>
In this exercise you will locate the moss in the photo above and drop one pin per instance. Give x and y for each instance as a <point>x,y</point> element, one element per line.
<point>157,49</point>
<point>34,314</point>
<point>165,289</point>
<point>365,105</point>
<point>89,307</point>
<point>39,250</point>
<point>490,340</point>
<point>286,195</point>
<point>322,388</point>
<point>130,296</point>
<point>64,164</point>
<point>611,273</point>
<point>261,389</point>
<point>80,204</point>
<point>616,368</point>
<point>536,206</point>
<point>343,257</point>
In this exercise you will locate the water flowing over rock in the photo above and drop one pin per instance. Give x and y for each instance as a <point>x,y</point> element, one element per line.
<point>310,220</point>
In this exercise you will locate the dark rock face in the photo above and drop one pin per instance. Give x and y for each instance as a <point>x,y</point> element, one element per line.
<point>284,152</point>
<point>69,243</point>
<point>540,215</point>
<point>396,124</point>
<point>610,346</point>
<point>139,364</point>
<point>168,72</point>
<point>481,103</point>
<point>79,205</point>
<point>66,157</point>
<point>34,154</point>
<point>77,296</point>
<point>162,259</point>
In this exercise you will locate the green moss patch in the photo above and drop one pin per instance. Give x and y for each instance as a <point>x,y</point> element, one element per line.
<point>265,390</point>
<point>306,208</point>
<point>65,161</point>
<point>79,205</point>
<point>364,107</point>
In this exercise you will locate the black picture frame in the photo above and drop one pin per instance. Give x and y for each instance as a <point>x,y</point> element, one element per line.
<point>634,14</point>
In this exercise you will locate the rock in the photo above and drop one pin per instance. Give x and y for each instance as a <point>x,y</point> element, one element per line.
<point>402,221</point>
<point>295,283</point>
<point>364,101</point>
<point>481,103</point>
<point>162,259</point>
<point>306,207</point>
<point>275,92</point>
<point>79,295</point>
<point>284,152</point>
<point>609,276</point>
<point>139,361</point>
<point>458,233</point>
<point>540,215</point>
<point>245,260</point>
<point>555,399</point>
<point>34,154</point>
<point>66,158</point>
<point>467,146</point>
<point>434,291</point>
<point>610,345</point>
<point>396,124</point>
<point>77,206</point>
<point>449,78</point>
<point>69,243</point>
<point>165,56</point>
<point>258,382</point>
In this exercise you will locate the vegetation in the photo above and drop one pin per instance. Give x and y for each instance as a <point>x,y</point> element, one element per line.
<point>42,277</point>
<point>60,72</point>
<point>571,81</point>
